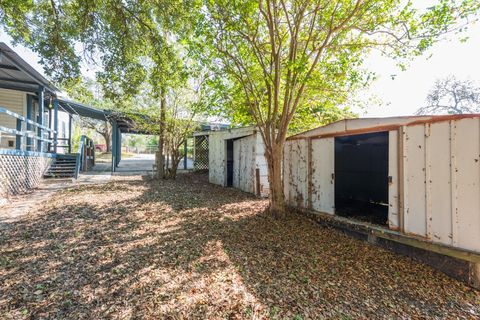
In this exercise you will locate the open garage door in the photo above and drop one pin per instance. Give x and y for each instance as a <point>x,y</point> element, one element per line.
<point>361,177</point>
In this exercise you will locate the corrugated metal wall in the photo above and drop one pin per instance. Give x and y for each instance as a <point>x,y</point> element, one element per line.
<point>244,163</point>
<point>261,165</point>
<point>217,159</point>
<point>442,182</point>
<point>435,179</point>
<point>249,155</point>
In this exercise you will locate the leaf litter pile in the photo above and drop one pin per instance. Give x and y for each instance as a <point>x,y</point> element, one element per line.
<point>185,249</point>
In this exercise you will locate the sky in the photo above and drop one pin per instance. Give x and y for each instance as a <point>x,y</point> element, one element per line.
<point>402,94</point>
<point>407,91</point>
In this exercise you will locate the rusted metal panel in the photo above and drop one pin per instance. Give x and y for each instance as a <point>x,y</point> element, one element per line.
<point>428,179</point>
<point>322,162</point>
<point>248,155</point>
<point>434,169</point>
<point>295,173</point>
<point>288,175</point>
<point>261,165</point>
<point>414,189</point>
<point>467,171</point>
<point>365,125</point>
<point>393,185</point>
<point>244,163</point>
<point>216,160</point>
<point>438,184</point>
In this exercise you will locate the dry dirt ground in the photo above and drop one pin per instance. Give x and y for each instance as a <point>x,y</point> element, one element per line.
<point>137,249</point>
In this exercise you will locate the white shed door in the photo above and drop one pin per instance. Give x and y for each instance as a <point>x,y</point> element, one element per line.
<point>323,168</point>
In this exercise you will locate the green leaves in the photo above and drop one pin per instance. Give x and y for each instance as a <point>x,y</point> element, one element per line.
<point>279,58</point>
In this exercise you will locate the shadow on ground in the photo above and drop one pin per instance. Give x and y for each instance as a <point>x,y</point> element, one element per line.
<point>137,248</point>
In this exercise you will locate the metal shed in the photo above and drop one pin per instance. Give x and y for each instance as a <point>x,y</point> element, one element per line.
<point>414,179</point>
<point>236,159</point>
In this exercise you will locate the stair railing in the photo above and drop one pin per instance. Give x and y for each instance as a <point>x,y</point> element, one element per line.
<point>78,163</point>
<point>85,155</point>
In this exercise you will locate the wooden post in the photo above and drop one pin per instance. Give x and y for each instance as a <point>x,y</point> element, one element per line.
<point>29,117</point>
<point>18,139</point>
<point>70,123</point>
<point>84,155</point>
<point>114,146</point>
<point>257,181</point>
<point>119,148</point>
<point>50,127</point>
<point>41,110</point>
<point>55,125</point>
<point>93,154</point>
<point>475,274</point>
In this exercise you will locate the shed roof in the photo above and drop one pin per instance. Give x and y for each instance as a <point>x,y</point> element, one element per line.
<point>230,133</point>
<point>364,125</point>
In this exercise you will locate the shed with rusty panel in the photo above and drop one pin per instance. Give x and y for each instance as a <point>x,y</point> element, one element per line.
<point>412,180</point>
<point>236,158</point>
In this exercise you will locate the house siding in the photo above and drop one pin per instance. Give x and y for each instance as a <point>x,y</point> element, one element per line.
<point>14,101</point>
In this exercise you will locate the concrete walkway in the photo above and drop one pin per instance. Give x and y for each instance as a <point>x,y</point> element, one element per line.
<point>19,206</point>
<point>139,164</point>
<point>142,164</point>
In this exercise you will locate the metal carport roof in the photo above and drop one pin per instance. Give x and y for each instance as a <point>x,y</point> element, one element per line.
<point>77,108</point>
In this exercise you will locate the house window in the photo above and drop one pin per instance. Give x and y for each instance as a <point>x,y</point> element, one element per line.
<point>11,143</point>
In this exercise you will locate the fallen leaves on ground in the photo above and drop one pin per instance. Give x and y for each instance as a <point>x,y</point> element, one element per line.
<point>143,249</point>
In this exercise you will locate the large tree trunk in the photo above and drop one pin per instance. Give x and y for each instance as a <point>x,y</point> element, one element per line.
<point>275,180</point>
<point>159,159</point>
<point>175,162</point>
<point>106,137</point>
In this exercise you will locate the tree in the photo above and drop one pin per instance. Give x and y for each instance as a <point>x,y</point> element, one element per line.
<point>103,128</point>
<point>184,111</point>
<point>452,96</point>
<point>131,42</point>
<point>87,91</point>
<point>281,56</point>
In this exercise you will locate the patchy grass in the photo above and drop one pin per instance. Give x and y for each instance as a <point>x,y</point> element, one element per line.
<point>186,249</point>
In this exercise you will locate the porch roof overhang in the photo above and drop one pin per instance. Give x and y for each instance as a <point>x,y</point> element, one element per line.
<point>17,74</point>
<point>82,110</point>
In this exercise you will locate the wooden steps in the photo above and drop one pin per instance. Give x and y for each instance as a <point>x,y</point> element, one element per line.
<point>64,166</point>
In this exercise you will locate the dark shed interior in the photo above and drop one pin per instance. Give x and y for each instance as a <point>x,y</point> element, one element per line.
<point>230,162</point>
<point>361,177</point>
